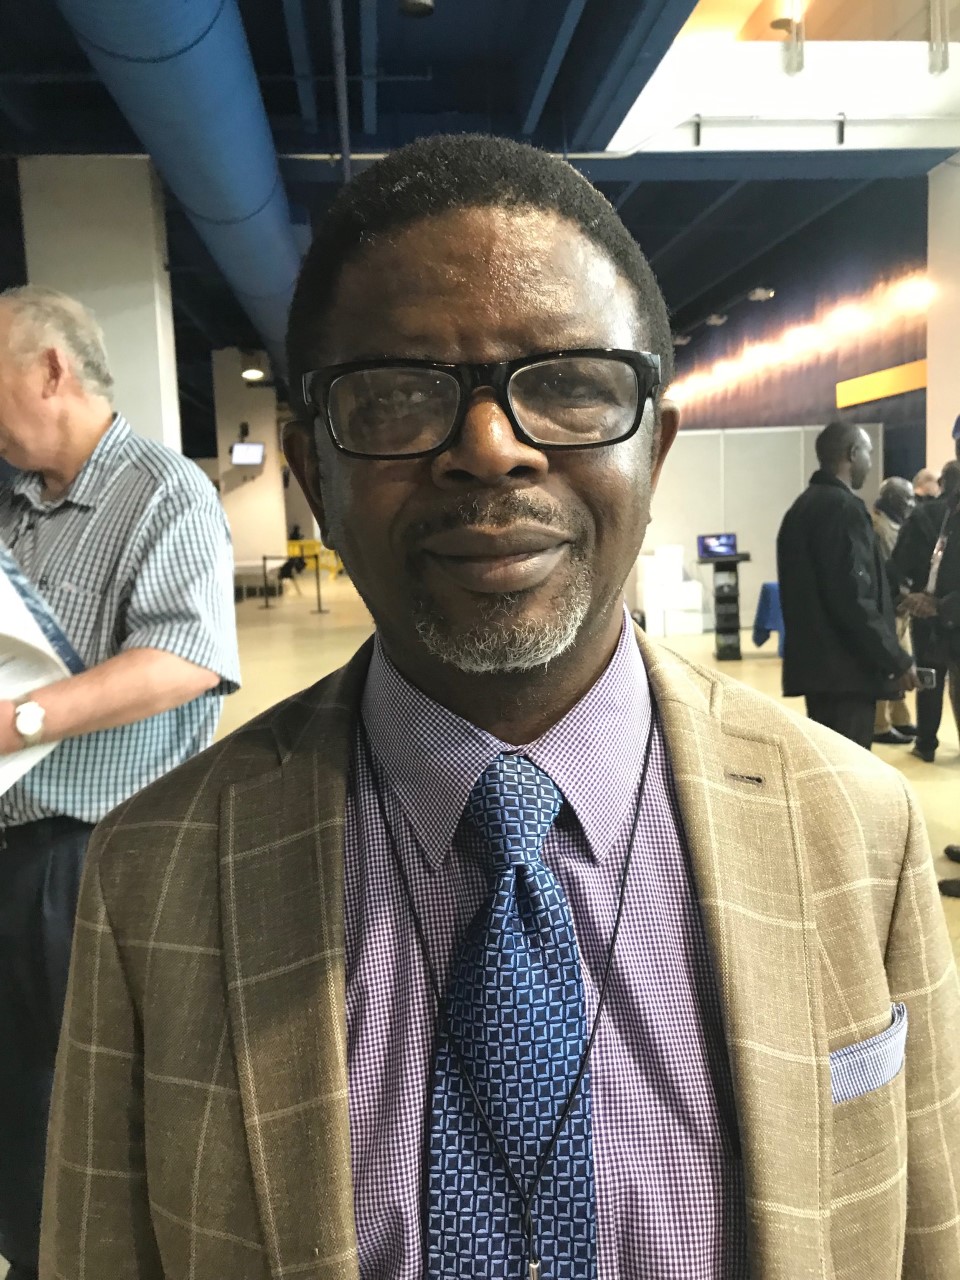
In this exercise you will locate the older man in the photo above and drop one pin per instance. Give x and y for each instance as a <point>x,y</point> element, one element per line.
<point>127,542</point>
<point>926,485</point>
<point>518,947</point>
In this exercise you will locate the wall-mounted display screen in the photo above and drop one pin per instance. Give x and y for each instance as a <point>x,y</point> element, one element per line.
<point>246,453</point>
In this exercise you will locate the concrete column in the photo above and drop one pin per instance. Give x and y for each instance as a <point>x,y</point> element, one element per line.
<point>943,322</point>
<point>94,227</point>
<point>252,497</point>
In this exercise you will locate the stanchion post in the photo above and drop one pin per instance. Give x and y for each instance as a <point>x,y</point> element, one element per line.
<point>316,566</point>
<point>266,585</point>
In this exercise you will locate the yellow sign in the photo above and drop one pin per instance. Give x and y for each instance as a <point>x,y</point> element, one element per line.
<point>880,385</point>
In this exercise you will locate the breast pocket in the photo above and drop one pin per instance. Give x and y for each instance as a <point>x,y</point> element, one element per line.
<point>866,1080</point>
<point>860,1068</point>
<point>80,614</point>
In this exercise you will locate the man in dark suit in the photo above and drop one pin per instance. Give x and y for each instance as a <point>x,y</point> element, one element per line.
<point>841,650</point>
<point>932,602</point>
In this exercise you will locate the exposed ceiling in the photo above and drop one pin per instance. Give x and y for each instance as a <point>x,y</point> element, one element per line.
<point>561,73</point>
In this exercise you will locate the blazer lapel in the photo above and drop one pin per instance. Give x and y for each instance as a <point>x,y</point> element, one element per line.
<point>282,908</point>
<point>744,841</point>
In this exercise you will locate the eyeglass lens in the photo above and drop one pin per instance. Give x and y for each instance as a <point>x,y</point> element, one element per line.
<point>572,400</point>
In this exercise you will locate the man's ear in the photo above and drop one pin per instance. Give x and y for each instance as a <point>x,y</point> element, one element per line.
<point>667,430</point>
<point>55,369</point>
<point>300,450</point>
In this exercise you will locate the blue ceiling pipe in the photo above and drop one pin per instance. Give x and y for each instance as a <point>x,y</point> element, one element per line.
<point>181,73</point>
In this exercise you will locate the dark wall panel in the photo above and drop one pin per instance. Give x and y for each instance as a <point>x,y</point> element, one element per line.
<point>13,267</point>
<point>877,236</point>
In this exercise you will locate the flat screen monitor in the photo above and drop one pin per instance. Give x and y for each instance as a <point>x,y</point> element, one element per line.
<point>716,546</point>
<point>246,453</point>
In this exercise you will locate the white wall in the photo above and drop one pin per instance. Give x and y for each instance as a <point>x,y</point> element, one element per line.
<point>252,496</point>
<point>94,227</point>
<point>943,321</point>
<point>742,482</point>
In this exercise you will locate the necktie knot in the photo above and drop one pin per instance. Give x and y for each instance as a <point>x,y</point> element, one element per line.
<point>513,805</point>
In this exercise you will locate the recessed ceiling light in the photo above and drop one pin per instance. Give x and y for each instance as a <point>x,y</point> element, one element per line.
<point>252,367</point>
<point>761,295</point>
<point>682,339</point>
<point>715,321</point>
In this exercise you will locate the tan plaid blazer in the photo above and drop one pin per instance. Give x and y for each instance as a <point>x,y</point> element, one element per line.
<point>200,1124</point>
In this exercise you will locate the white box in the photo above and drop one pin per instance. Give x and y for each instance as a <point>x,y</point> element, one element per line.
<point>683,622</point>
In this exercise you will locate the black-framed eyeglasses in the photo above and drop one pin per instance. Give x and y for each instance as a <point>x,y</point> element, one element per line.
<point>396,409</point>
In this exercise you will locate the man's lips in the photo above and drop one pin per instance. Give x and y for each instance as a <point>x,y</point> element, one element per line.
<point>515,558</point>
<point>472,542</point>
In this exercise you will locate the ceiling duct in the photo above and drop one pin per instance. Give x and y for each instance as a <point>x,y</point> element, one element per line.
<point>183,77</point>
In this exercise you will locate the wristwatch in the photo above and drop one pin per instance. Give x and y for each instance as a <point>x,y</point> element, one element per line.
<point>29,719</point>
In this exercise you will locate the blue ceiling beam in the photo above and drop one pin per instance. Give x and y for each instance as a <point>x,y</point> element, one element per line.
<point>621,60</point>
<point>303,71</point>
<point>690,229</point>
<point>368,64</point>
<point>682,166</point>
<point>543,60</point>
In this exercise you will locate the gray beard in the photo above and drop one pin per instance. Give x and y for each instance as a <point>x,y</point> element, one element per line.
<point>505,640</point>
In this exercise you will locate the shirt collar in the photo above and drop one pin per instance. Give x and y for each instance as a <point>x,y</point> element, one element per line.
<point>432,757</point>
<point>824,477</point>
<point>86,489</point>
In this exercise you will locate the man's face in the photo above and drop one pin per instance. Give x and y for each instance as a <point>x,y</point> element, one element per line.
<point>861,460</point>
<point>493,555</point>
<point>24,424</point>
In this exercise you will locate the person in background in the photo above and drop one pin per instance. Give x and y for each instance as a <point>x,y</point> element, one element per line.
<point>128,544</point>
<point>926,485</point>
<point>894,503</point>
<point>841,650</point>
<point>355,1041</point>
<point>926,561</point>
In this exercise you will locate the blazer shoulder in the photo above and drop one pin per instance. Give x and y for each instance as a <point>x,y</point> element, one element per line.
<point>746,713</point>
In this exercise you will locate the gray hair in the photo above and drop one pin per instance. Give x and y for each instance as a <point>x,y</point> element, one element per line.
<point>44,318</point>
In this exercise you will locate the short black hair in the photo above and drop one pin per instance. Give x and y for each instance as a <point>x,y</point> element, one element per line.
<point>459,171</point>
<point>835,442</point>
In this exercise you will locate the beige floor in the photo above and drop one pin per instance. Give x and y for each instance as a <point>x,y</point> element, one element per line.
<point>287,647</point>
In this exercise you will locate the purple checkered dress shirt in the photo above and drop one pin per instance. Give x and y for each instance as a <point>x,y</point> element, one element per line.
<point>670,1199</point>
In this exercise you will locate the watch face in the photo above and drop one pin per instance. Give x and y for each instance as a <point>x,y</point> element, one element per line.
<point>29,719</point>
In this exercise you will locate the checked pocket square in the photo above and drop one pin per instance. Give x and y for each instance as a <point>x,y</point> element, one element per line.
<point>860,1068</point>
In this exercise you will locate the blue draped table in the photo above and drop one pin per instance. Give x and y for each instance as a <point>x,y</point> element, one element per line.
<point>769,616</point>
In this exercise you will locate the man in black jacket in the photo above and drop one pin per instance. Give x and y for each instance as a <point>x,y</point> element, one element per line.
<point>934,601</point>
<point>840,650</point>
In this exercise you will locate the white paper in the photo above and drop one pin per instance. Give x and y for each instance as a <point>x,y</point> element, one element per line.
<point>27,662</point>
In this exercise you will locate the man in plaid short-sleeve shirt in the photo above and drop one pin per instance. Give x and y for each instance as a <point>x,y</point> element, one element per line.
<point>128,544</point>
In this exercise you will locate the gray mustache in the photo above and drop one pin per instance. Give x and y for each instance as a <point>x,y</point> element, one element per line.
<point>496,513</point>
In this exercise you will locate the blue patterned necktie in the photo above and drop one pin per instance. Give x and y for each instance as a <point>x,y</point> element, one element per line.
<point>516,1012</point>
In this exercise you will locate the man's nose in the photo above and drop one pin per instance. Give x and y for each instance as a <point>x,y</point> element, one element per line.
<point>487,450</point>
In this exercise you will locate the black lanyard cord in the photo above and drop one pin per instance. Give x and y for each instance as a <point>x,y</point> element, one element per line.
<point>526,1198</point>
